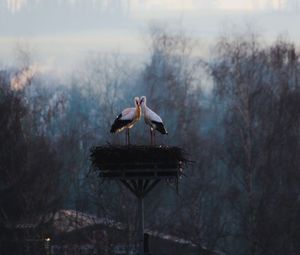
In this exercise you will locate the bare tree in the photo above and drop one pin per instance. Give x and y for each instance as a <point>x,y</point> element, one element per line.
<point>257,89</point>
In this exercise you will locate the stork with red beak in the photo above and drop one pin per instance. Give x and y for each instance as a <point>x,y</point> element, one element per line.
<point>127,119</point>
<point>152,119</point>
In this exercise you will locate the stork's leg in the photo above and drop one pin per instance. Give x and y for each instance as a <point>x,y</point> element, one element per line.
<point>154,139</point>
<point>127,140</point>
<point>128,133</point>
<point>151,135</point>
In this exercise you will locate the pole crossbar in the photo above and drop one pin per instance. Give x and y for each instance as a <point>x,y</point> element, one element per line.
<point>140,188</point>
<point>127,185</point>
<point>146,184</point>
<point>151,187</point>
<point>134,184</point>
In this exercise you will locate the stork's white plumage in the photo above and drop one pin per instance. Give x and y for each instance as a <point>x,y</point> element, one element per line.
<point>152,119</point>
<point>127,119</point>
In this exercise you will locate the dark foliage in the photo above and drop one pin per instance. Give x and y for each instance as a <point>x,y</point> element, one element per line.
<point>29,173</point>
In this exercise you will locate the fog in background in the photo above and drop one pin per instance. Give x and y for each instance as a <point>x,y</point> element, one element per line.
<point>61,32</point>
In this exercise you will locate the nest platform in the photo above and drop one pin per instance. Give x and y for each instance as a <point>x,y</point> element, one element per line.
<point>137,162</point>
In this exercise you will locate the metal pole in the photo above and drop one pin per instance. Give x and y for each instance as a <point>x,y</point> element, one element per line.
<point>141,224</point>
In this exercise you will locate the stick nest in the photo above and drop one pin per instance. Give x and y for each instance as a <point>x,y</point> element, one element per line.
<point>124,157</point>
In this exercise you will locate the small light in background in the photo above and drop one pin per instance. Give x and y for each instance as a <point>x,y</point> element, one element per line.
<point>48,239</point>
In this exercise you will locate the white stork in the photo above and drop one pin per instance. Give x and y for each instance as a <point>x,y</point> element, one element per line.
<point>127,119</point>
<point>152,119</point>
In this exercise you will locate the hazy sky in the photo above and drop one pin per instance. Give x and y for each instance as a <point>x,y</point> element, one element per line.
<point>63,30</point>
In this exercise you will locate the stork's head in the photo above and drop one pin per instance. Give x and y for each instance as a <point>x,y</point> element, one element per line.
<point>137,101</point>
<point>143,100</point>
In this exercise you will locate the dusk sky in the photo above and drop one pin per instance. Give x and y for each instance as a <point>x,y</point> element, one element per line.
<point>61,30</point>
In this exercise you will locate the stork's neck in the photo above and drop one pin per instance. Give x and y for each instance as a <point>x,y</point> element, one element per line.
<point>138,111</point>
<point>143,106</point>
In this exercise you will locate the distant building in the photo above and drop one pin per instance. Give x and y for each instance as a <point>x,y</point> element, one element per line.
<point>81,233</point>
